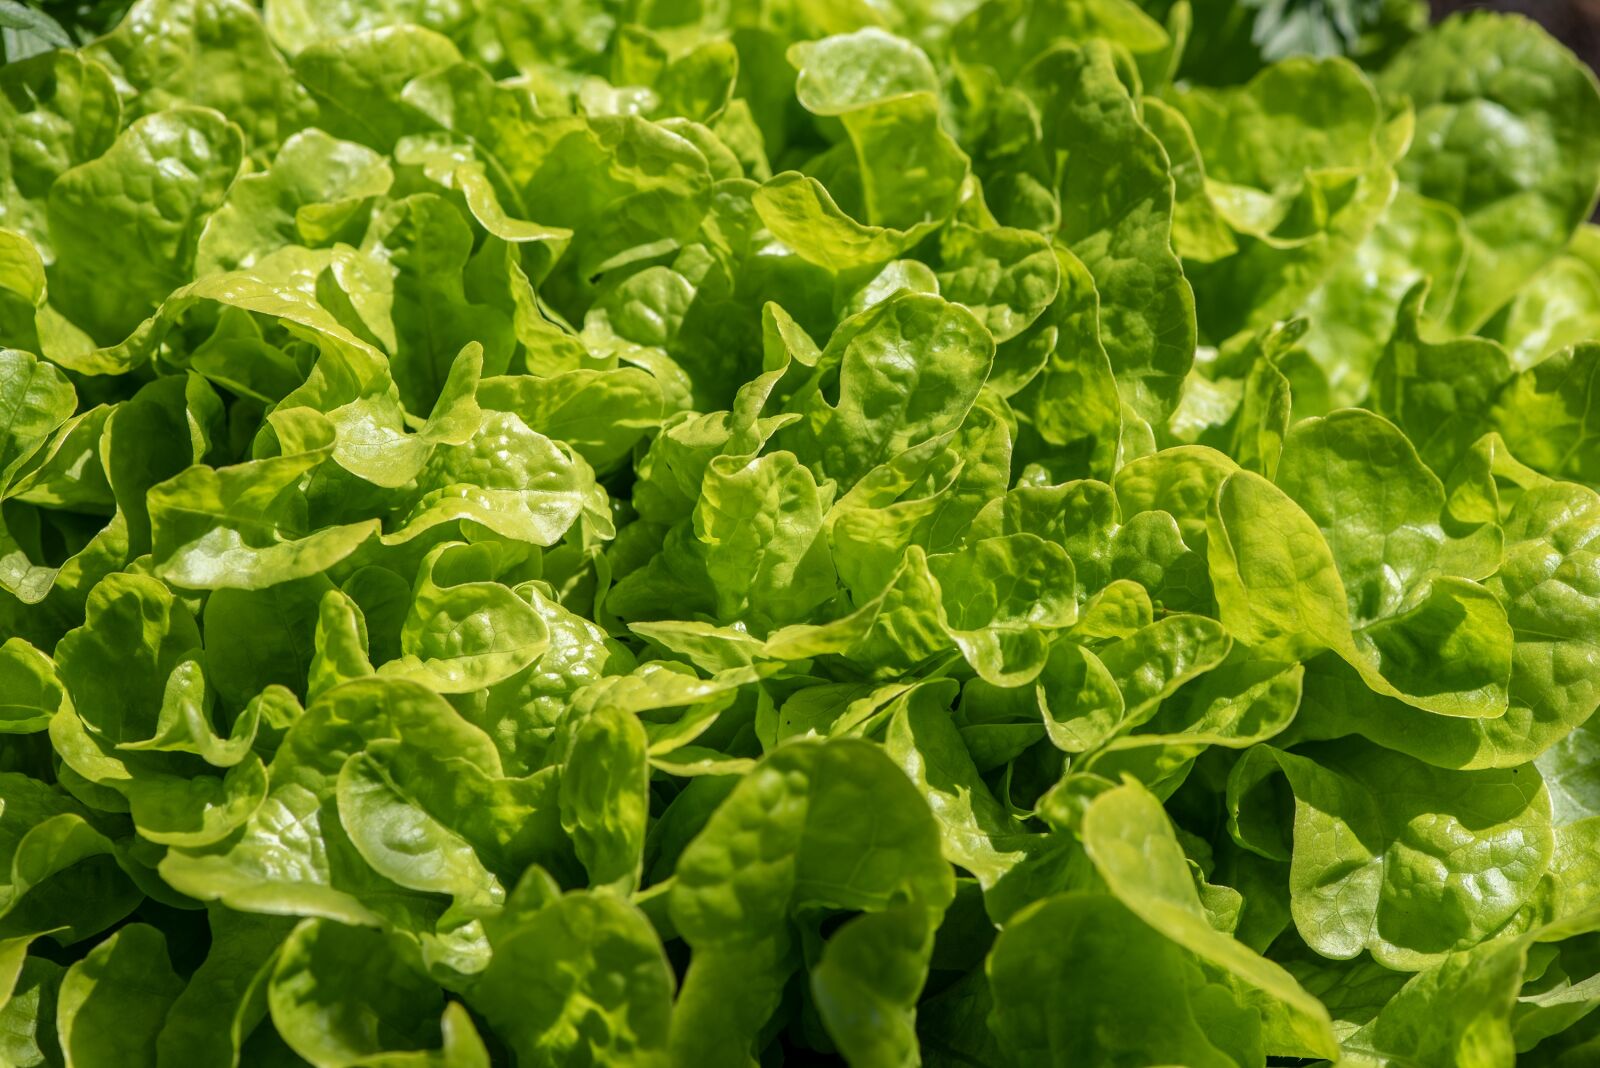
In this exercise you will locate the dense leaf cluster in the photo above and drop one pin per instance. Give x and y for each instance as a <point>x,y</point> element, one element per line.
<point>1032,532</point>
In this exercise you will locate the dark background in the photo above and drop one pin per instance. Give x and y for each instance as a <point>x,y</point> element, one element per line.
<point>1575,22</point>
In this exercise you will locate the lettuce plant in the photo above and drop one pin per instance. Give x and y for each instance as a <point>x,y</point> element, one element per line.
<point>1005,533</point>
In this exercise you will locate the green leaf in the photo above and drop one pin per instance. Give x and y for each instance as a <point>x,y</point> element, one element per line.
<point>464,632</point>
<point>1357,476</point>
<point>842,73</point>
<point>314,190</point>
<point>151,192</point>
<point>32,691</point>
<point>1048,1013</point>
<point>1006,34</point>
<point>211,53</point>
<point>1516,219</point>
<point>1131,845</point>
<point>628,189</point>
<point>1278,587</point>
<point>759,525</point>
<point>339,995</point>
<point>1007,277</point>
<point>422,244</point>
<point>113,1001</point>
<point>888,406</point>
<point>229,985</point>
<point>59,868</point>
<point>1350,318</point>
<point>512,480</point>
<point>401,841</point>
<point>1547,600</point>
<point>250,637</point>
<point>1000,599</point>
<point>978,833</point>
<point>60,110</point>
<point>1406,849</point>
<point>245,526</point>
<point>601,414</point>
<point>802,214</point>
<point>35,399</point>
<point>1560,311</point>
<point>29,1014</point>
<point>605,796</point>
<point>1120,224</point>
<point>295,25</point>
<point>1552,395</point>
<point>341,650</point>
<point>356,80</point>
<point>793,836</point>
<point>562,967</point>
